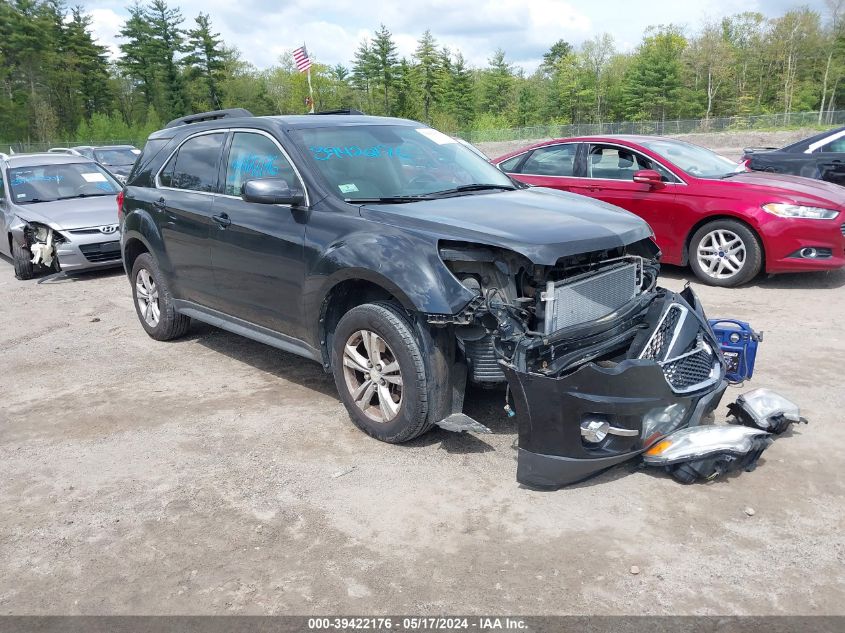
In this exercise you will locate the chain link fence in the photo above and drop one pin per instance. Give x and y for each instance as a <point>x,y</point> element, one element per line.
<point>661,128</point>
<point>35,146</point>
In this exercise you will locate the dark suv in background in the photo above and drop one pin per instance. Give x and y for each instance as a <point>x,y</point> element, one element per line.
<point>406,265</point>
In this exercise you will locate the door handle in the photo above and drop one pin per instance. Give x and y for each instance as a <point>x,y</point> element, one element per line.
<point>160,204</point>
<point>222,220</point>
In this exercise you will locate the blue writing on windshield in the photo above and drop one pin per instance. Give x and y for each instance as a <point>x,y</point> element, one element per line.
<point>256,165</point>
<point>354,151</point>
<point>22,180</point>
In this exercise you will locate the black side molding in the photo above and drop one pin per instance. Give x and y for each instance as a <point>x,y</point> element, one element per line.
<point>209,116</point>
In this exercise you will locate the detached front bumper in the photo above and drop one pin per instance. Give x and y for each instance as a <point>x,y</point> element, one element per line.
<point>552,451</point>
<point>634,400</point>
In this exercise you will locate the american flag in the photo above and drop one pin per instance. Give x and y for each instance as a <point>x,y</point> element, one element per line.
<point>300,58</point>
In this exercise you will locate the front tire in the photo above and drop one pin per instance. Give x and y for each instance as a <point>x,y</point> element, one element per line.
<point>22,259</point>
<point>154,303</point>
<point>725,253</point>
<point>380,374</point>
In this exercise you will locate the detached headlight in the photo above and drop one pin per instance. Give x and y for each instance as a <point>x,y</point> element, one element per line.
<point>797,211</point>
<point>705,452</point>
<point>765,409</point>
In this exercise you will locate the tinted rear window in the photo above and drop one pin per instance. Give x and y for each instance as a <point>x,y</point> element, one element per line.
<point>195,165</point>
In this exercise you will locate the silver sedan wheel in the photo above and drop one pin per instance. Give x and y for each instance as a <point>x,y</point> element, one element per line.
<point>146,294</point>
<point>721,254</point>
<point>372,376</point>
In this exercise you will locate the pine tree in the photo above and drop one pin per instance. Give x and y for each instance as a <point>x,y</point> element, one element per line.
<point>654,81</point>
<point>461,93</point>
<point>384,60</point>
<point>138,58</point>
<point>205,60</point>
<point>497,85</point>
<point>363,72</point>
<point>167,41</point>
<point>426,72</point>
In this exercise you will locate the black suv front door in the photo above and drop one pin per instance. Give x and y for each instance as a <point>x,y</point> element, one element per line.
<point>257,249</point>
<point>186,189</point>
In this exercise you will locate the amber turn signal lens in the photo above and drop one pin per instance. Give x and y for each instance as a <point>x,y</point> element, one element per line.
<point>659,448</point>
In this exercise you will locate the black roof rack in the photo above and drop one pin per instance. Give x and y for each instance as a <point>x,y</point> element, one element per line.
<point>209,116</point>
<point>341,111</point>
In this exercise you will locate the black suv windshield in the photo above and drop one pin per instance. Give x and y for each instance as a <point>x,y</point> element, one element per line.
<point>45,183</point>
<point>392,162</point>
<point>120,156</point>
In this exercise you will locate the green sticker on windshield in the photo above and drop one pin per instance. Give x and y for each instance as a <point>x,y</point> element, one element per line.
<point>349,188</point>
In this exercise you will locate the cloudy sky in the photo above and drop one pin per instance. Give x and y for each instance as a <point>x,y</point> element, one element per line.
<point>332,29</point>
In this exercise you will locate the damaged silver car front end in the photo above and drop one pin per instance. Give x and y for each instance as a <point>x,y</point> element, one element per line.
<point>600,363</point>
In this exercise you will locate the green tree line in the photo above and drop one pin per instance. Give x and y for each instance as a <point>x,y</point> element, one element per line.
<point>57,82</point>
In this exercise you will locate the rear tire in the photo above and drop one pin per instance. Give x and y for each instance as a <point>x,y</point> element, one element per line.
<point>725,253</point>
<point>380,373</point>
<point>153,301</point>
<point>22,259</point>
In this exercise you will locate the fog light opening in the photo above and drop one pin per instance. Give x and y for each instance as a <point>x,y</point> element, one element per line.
<point>809,253</point>
<point>594,429</point>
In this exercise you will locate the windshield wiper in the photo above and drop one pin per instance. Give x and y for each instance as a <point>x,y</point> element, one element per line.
<point>732,174</point>
<point>84,195</point>
<point>389,199</point>
<point>473,187</point>
<point>34,200</point>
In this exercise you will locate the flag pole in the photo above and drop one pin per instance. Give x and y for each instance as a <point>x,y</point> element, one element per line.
<point>310,88</point>
<point>310,91</point>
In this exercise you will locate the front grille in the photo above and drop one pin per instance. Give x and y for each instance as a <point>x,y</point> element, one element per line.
<point>483,365</point>
<point>101,252</point>
<point>691,371</point>
<point>591,297</point>
<point>85,231</point>
<point>843,229</point>
<point>694,369</point>
<point>658,345</point>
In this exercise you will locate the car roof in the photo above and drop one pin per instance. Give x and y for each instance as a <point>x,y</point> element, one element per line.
<point>636,139</point>
<point>113,147</point>
<point>45,158</point>
<point>296,121</point>
<point>804,144</point>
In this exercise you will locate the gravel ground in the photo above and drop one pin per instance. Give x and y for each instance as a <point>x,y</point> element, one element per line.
<point>215,475</point>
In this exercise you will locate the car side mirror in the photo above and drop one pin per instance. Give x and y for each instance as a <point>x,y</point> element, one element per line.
<point>271,191</point>
<point>648,177</point>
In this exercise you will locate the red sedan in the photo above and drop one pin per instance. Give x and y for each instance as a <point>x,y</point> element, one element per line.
<point>705,210</point>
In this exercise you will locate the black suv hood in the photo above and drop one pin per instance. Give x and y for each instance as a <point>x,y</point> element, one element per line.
<point>541,224</point>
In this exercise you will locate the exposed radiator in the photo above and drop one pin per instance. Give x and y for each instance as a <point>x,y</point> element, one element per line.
<point>592,296</point>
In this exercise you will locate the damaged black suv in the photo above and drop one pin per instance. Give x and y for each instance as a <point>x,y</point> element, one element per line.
<point>407,265</point>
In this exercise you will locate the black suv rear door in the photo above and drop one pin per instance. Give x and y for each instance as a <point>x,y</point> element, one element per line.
<point>257,249</point>
<point>187,186</point>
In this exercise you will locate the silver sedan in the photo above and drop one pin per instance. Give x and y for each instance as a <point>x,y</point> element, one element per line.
<point>57,212</point>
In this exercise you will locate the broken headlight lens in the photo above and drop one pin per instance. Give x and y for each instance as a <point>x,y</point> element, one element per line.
<point>40,232</point>
<point>663,420</point>
<point>798,211</point>
<point>765,409</point>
